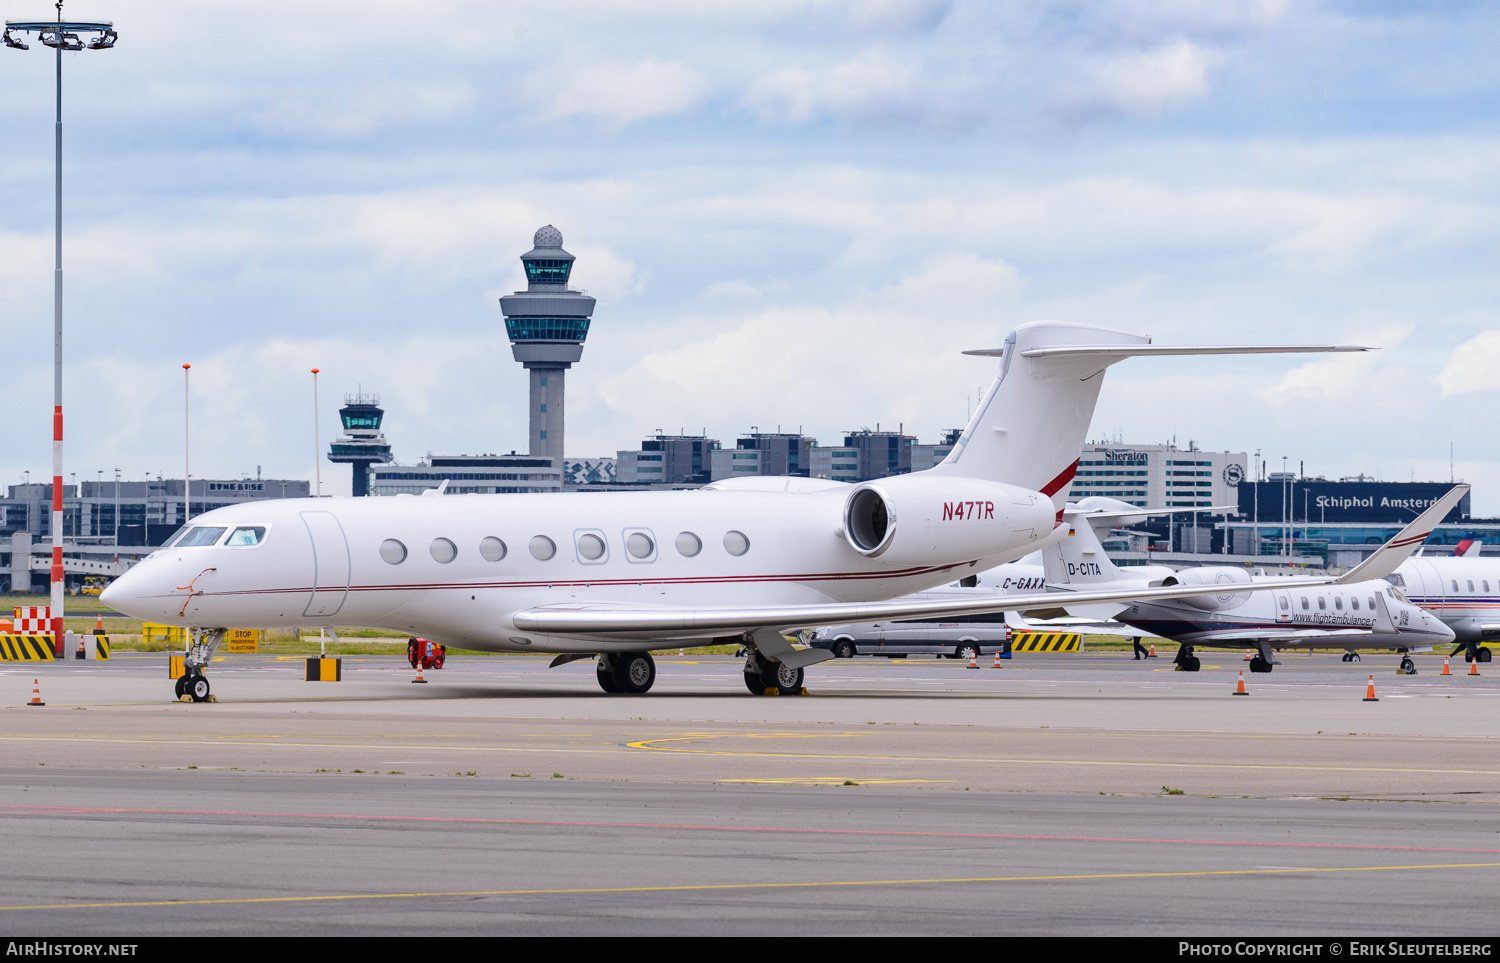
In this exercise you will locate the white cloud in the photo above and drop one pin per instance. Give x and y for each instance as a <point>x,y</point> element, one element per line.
<point>869,84</point>
<point>1472,366</point>
<point>1336,376</point>
<point>618,92</point>
<point>1146,83</point>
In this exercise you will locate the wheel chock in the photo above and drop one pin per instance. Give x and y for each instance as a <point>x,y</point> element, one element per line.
<point>184,698</point>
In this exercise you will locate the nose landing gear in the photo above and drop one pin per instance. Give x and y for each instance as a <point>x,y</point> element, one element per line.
<point>192,685</point>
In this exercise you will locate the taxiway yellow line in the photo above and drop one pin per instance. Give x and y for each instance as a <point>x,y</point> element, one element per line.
<point>720,887</point>
<point>646,744</point>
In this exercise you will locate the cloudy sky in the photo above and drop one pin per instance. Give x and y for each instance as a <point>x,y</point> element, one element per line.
<point>793,214</point>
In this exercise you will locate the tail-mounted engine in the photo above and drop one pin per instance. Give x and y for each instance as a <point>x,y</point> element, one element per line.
<point>926,520</point>
<point>1226,577</point>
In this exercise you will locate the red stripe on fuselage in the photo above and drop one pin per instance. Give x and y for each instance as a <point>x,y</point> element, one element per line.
<point>1056,485</point>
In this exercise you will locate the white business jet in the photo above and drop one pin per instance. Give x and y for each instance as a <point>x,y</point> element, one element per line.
<point>1359,609</point>
<point>1463,591</point>
<point>616,575</point>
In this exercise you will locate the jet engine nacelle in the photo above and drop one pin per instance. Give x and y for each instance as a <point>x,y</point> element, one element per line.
<point>927,520</point>
<point>1212,576</point>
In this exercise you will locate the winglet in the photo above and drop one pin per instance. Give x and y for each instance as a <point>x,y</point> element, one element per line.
<point>1388,557</point>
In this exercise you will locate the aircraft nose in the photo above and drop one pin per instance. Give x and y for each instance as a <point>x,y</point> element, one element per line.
<point>131,594</point>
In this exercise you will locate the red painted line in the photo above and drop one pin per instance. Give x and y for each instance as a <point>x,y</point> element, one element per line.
<point>112,810</point>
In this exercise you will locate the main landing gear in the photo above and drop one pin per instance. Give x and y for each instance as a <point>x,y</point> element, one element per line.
<point>771,675</point>
<point>1349,656</point>
<point>626,673</point>
<point>1474,652</point>
<point>193,684</point>
<point>1408,667</point>
<point>1186,661</point>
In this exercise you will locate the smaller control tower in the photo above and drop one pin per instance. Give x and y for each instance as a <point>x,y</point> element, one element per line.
<point>362,443</point>
<point>547,324</point>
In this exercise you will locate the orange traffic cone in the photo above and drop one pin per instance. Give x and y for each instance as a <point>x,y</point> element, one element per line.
<point>1370,691</point>
<point>973,661</point>
<point>1249,654</point>
<point>36,693</point>
<point>997,660</point>
<point>419,676</point>
<point>1240,689</point>
<point>1152,653</point>
<point>1445,666</point>
<point>1474,667</point>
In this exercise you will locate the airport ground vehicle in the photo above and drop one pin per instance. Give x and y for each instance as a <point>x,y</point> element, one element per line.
<point>957,638</point>
<point>430,654</point>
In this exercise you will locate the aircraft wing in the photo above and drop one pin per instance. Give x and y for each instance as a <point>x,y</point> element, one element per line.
<point>1272,633</point>
<point>661,622</point>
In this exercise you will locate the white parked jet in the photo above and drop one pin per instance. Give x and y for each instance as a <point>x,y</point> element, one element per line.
<point>1358,610</point>
<point>616,575</point>
<point>1463,591</point>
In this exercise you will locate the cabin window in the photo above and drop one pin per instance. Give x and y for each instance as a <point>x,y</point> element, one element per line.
<point>1485,585</point>
<point>542,548</point>
<point>639,545</point>
<point>1285,604</point>
<point>491,548</point>
<point>591,547</point>
<point>393,551</point>
<point>1354,603</point>
<point>1471,585</point>
<point>1455,585</point>
<point>1372,603</point>
<point>1338,603</point>
<point>247,535</point>
<point>200,537</point>
<point>443,550</point>
<point>688,544</point>
<point>1304,603</point>
<point>1322,603</point>
<point>735,543</point>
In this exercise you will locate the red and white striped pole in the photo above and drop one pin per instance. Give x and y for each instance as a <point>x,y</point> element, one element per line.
<point>187,476</point>
<point>57,378</point>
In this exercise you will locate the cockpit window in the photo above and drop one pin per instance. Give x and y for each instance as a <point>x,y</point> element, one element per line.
<point>175,536</point>
<point>247,535</point>
<point>199,537</point>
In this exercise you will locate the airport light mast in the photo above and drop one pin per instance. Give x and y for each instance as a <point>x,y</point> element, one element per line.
<point>60,35</point>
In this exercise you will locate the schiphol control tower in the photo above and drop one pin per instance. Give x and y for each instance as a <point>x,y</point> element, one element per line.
<point>547,324</point>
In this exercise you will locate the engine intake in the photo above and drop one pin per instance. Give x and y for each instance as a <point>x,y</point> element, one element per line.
<point>924,520</point>
<point>1210,577</point>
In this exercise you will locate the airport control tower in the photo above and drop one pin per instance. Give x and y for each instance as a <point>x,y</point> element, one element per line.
<point>362,443</point>
<point>547,323</point>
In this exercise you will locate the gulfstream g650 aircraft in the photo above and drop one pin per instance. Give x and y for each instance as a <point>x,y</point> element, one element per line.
<point>616,575</point>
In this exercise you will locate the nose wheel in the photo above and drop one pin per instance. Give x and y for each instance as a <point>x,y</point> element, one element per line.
<point>193,685</point>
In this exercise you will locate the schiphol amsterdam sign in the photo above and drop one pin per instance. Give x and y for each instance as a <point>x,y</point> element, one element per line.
<point>1323,501</point>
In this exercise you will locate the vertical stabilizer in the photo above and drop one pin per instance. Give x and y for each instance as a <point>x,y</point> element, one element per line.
<point>1032,422</point>
<point>1079,559</point>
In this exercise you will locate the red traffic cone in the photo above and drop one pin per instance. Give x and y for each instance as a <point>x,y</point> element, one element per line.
<point>419,678</point>
<point>1445,666</point>
<point>1370,691</point>
<point>36,693</point>
<point>1240,689</point>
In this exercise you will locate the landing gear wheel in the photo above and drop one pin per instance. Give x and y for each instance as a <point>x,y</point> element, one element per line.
<point>1259,664</point>
<point>604,672</point>
<point>1484,653</point>
<point>1345,657</point>
<point>197,687</point>
<point>634,672</point>
<point>843,650</point>
<point>1353,656</point>
<point>1192,664</point>
<point>781,677</point>
<point>1408,666</point>
<point>967,650</point>
<point>182,685</point>
<point>754,684</point>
